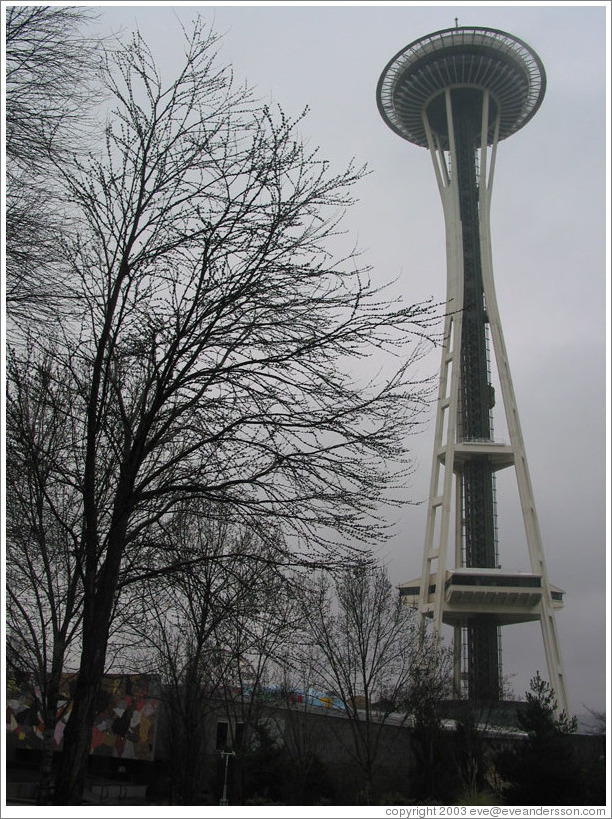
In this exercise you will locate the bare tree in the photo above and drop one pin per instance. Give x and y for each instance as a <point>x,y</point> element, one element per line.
<point>304,738</point>
<point>50,71</point>
<point>431,683</point>
<point>597,722</point>
<point>44,595</point>
<point>209,628</point>
<point>172,630</point>
<point>204,353</point>
<point>256,636</point>
<point>370,650</point>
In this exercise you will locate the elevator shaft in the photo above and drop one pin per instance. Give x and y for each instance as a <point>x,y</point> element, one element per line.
<point>474,422</point>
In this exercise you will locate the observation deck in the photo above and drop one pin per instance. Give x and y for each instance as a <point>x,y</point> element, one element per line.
<point>499,455</point>
<point>468,59</point>
<point>513,597</point>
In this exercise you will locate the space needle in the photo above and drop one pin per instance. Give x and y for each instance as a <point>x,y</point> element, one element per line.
<point>458,92</point>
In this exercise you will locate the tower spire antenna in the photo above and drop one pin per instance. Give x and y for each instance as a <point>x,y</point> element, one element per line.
<point>459,93</point>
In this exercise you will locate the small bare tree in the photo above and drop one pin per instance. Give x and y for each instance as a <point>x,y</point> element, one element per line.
<point>256,637</point>
<point>430,684</point>
<point>304,738</point>
<point>175,613</point>
<point>211,627</point>
<point>370,649</point>
<point>597,722</point>
<point>43,589</point>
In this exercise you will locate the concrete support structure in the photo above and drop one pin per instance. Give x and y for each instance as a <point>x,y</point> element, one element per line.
<point>458,92</point>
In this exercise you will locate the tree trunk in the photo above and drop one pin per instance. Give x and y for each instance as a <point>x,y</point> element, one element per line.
<point>70,781</point>
<point>45,781</point>
<point>96,624</point>
<point>50,719</point>
<point>100,592</point>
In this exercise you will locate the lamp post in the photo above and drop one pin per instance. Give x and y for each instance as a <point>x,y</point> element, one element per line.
<point>227,755</point>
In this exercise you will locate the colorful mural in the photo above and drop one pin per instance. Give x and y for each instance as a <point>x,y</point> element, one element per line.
<point>125,720</point>
<point>23,719</point>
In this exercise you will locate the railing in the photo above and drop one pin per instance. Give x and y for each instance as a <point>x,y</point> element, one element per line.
<point>104,792</point>
<point>21,793</point>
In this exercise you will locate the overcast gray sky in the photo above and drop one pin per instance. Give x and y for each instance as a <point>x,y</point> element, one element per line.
<point>549,251</point>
